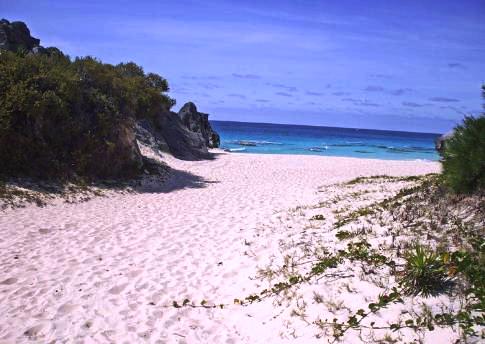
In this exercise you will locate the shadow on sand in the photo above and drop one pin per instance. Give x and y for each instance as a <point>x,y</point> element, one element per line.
<point>176,180</point>
<point>160,178</point>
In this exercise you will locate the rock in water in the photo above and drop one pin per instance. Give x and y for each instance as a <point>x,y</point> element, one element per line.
<point>198,122</point>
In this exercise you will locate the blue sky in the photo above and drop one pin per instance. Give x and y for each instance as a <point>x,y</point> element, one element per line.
<point>402,65</point>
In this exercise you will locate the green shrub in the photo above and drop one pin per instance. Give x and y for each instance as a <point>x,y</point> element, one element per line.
<point>464,156</point>
<point>60,117</point>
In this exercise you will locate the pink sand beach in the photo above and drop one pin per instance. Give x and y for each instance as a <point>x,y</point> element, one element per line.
<point>109,269</point>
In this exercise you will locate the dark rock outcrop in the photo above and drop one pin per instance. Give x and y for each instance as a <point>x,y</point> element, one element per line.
<point>198,122</point>
<point>440,142</point>
<point>148,134</point>
<point>16,36</point>
<point>168,134</point>
<point>182,143</point>
<point>186,135</point>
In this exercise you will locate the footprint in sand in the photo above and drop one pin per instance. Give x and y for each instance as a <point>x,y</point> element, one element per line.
<point>45,230</point>
<point>134,273</point>
<point>66,308</point>
<point>34,331</point>
<point>9,281</point>
<point>118,289</point>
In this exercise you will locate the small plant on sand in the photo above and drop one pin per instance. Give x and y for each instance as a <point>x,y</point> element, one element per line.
<point>342,235</point>
<point>354,215</point>
<point>425,273</point>
<point>318,217</point>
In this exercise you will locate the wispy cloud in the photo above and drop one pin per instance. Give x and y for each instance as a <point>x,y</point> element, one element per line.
<point>454,108</point>
<point>381,76</point>
<point>374,88</point>
<point>360,102</point>
<point>339,94</point>
<point>237,95</point>
<point>285,87</point>
<point>394,92</point>
<point>456,65</point>
<point>246,76</point>
<point>284,94</point>
<point>262,100</point>
<point>208,86</point>
<point>412,104</point>
<point>311,93</point>
<point>443,100</point>
<point>400,91</point>
<point>207,77</point>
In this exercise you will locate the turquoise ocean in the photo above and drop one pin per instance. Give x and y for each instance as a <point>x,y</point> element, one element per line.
<point>266,138</point>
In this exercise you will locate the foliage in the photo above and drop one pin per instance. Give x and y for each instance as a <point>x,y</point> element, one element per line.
<point>60,117</point>
<point>371,179</point>
<point>457,266</point>
<point>364,211</point>
<point>342,235</point>
<point>425,273</point>
<point>468,265</point>
<point>464,155</point>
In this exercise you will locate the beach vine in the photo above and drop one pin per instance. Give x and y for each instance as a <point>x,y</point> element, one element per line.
<point>451,263</point>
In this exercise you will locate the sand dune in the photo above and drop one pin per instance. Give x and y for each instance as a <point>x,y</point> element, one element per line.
<point>108,270</point>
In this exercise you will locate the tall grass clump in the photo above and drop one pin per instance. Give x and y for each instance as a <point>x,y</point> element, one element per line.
<point>425,273</point>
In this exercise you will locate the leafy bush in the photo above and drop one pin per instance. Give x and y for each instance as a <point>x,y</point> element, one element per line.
<point>425,273</point>
<point>464,156</point>
<point>60,117</point>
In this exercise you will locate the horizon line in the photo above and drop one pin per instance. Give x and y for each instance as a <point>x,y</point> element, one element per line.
<point>326,126</point>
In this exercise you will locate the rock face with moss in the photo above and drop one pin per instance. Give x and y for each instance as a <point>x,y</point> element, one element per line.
<point>198,122</point>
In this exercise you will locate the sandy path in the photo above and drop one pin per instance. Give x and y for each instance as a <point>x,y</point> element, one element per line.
<point>101,271</point>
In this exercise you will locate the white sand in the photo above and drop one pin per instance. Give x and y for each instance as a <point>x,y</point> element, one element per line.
<point>104,270</point>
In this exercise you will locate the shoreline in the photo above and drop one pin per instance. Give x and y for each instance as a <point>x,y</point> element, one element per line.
<point>219,150</point>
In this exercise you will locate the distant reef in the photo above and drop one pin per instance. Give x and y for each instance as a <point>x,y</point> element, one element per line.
<point>63,117</point>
